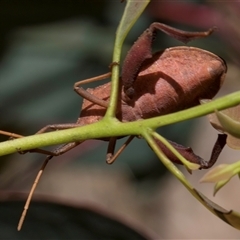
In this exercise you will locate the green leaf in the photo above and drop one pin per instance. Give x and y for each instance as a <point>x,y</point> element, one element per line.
<point>131,13</point>
<point>229,125</point>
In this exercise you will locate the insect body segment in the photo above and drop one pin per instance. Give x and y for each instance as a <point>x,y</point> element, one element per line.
<point>142,50</point>
<point>172,80</point>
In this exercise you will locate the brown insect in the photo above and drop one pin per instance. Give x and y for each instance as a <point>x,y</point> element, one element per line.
<point>151,85</point>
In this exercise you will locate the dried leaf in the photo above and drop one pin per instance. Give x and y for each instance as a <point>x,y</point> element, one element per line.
<point>219,173</point>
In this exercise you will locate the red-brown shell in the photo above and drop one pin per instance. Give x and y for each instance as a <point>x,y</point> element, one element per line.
<point>172,80</point>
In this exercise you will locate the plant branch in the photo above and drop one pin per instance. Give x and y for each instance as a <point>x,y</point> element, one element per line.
<point>111,128</point>
<point>131,13</point>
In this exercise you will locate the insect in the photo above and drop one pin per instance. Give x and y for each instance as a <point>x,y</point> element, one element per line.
<point>151,85</point>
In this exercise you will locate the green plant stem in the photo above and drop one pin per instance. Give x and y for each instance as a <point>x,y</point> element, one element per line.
<point>109,127</point>
<point>185,162</point>
<point>131,13</point>
<point>168,164</point>
<point>111,110</point>
<point>227,101</point>
<point>179,175</point>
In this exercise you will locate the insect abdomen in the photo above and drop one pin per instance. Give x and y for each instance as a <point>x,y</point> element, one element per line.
<point>176,79</point>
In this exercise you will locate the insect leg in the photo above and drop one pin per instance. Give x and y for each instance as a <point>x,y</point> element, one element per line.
<point>10,134</point>
<point>111,157</point>
<point>58,127</point>
<point>111,148</point>
<point>61,149</point>
<point>183,36</point>
<point>217,149</point>
<point>85,94</point>
<point>58,151</point>
<point>82,93</point>
<point>188,153</point>
<point>36,150</point>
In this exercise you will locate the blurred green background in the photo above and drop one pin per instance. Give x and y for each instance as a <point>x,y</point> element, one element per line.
<point>45,48</point>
